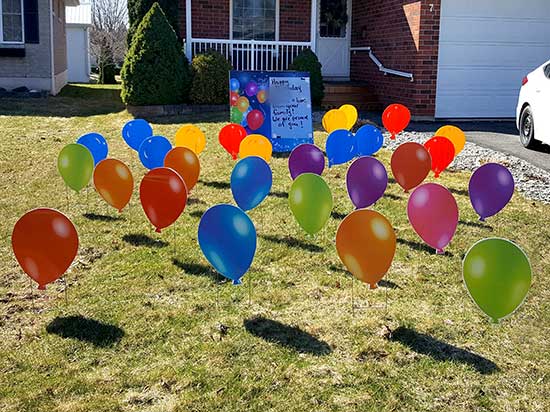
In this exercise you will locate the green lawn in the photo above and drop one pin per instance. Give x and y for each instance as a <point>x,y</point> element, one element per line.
<point>149,327</point>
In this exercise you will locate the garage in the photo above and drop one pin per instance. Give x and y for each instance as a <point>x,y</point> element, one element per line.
<point>486,47</point>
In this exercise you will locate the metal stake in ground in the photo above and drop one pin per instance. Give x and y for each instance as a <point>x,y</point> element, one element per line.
<point>32,294</point>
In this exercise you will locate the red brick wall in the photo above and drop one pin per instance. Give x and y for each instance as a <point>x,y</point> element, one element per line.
<point>294,20</point>
<point>181,18</point>
<point>211,19</point>
<point>404,35</point>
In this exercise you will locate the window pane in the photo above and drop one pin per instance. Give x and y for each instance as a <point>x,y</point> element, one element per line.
<point>254,19</point>
<point>333,18</point>
<point>11,6</point>
<point>12,28</point>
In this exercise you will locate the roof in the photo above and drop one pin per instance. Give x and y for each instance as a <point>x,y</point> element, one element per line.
<point>73,3</point>
<point>79,15</point>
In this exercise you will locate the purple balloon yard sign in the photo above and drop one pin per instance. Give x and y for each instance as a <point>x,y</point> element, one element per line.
<point>276,105</point>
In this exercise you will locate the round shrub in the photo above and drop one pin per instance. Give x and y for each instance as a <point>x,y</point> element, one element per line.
<point>210,78</point>
<point>307,61</point>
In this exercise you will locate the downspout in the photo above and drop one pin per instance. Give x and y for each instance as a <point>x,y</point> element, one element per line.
<point>313,28</point>
<point>52,91</point>
<point>188,28</point>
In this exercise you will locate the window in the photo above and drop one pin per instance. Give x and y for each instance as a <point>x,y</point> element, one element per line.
<point>333,18</point>
<point>11,23</point>
<point>254,19</point>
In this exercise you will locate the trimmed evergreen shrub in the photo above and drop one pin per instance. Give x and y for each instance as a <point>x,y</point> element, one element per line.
<point>307,61</point>
<point>137,9</point>
<point>155,70</point>
<point>210,78</point>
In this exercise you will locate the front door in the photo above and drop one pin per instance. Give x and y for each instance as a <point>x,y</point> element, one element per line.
<point>333,38</point>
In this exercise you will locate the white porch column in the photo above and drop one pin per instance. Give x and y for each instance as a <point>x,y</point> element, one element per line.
<point>188,28</point>
<point>313,34</point>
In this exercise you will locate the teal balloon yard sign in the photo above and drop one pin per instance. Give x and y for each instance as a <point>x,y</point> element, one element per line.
<point>276,105</point>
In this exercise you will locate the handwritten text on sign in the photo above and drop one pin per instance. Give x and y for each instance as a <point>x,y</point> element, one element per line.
<point>290,108</point>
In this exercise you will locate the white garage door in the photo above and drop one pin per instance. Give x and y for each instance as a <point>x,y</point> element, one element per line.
<point>485,49</point>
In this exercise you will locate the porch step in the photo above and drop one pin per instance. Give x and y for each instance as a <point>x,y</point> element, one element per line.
<point>357,94</point>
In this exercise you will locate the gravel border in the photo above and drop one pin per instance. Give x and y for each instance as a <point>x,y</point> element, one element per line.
<point>531,181</point>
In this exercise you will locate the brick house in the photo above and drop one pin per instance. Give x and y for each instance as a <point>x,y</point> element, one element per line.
<point>442,58</point>
<point>33,50</point>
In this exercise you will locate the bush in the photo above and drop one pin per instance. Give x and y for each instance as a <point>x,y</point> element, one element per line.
<point>155,70</point>
<point>307,61</point>
<point>210,78</point>
<point>137,9</point>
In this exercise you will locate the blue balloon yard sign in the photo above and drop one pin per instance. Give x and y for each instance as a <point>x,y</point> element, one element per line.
<point>276,105</point>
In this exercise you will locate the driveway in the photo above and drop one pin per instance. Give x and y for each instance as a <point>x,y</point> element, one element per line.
<point>501,136</point>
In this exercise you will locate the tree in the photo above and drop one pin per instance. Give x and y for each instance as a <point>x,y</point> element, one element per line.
<point>139,8</point>
<point>155,70</point>
<point>108,36</point>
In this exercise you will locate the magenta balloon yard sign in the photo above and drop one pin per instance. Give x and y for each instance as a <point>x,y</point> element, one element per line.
<point>276,105</point>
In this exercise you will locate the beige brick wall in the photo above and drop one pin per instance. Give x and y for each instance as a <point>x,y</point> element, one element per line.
<point>34,70</point>
<point>36,65</point>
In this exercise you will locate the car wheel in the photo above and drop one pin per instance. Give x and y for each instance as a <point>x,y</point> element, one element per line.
<point>527,128</point>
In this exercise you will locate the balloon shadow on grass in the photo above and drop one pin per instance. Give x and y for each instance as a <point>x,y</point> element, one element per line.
<point>338,215</point>
<point>441,351</point>
<point>281,155</point>
<point>102,218</point>
<point>216,185</point>
<point>197,213</point>
<point>388,284</point>
<point>195,201</point>
<point>281,195</point>
<point>475,224</point>
<point>421,247</point>
<point>291,337</point>
<point>140,239</point>
<point>392,196</point>
<point>382,283</point>
<point>293,242</point>
<point>196,269</point>
<point>87,330</point>
<point>459,192</point>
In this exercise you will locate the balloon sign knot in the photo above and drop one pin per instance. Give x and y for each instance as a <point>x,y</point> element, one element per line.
<point>495,321</point>
<point>157,230</point>
<point>373,286</point>
<point>440,251</point>
<point>392,137</point>
<point>481,219</point>
<point>237,282</point>
<point>41,287</point>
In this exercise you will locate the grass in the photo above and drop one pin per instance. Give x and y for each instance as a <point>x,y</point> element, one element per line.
<point>148,326</point>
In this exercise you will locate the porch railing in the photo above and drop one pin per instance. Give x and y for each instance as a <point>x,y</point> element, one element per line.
<point>251,54</point>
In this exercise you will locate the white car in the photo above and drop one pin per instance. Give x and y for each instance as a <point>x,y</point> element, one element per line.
<point>533,111</point>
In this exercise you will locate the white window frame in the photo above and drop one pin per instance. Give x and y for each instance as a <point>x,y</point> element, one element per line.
<point>277,15</point>
<point>22,27</point>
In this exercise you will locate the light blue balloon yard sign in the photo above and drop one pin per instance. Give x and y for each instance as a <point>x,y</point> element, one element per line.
<point>276,105</point>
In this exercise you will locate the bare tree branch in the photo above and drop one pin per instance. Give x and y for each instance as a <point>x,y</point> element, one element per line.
<point>109,29</point>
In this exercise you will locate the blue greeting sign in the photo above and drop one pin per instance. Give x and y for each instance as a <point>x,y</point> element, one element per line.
<point>274,104</point>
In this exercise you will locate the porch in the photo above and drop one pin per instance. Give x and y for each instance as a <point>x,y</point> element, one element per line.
<point>368,41</point>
